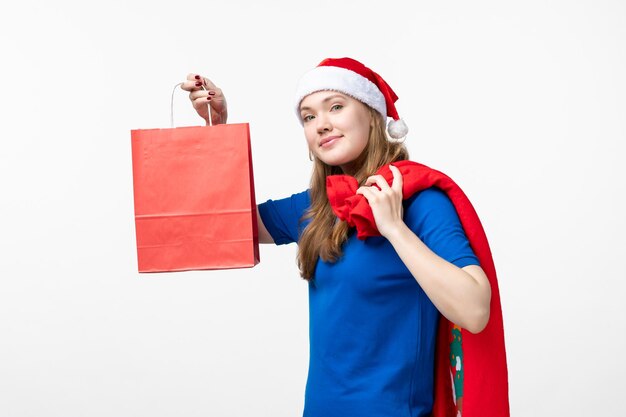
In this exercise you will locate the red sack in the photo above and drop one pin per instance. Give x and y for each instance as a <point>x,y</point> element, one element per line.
<point>194,198</point>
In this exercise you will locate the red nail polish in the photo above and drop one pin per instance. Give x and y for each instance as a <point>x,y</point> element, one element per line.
<point>212,93</point>
<point>198,84</point>
<point>197,77</point>
<point>208,98</point>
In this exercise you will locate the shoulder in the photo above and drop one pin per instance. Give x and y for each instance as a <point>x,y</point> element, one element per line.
<point>294,200</point>
<point>302,196</point>
<point>292,205</point>
<point>281,217</point>
<point>427,205</point>
<point>297,203</point>
<point>429,196</point>
<point>431,215</point>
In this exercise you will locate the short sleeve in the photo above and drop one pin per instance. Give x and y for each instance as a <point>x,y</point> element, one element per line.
<point>431,215</point>
<point>281,217</point>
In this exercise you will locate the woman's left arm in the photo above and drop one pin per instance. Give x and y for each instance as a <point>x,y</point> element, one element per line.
<point>462,295</point>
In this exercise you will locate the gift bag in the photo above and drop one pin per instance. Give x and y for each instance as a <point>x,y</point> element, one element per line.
<point>194,198</point>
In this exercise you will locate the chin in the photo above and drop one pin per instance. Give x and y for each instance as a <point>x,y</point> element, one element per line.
<point>335,162</point>
<point>336,159</point>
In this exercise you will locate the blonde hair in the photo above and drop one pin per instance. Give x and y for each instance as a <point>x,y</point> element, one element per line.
<point>324,236</point>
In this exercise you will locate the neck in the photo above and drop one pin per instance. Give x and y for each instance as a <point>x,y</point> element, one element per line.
<point>348,169</point>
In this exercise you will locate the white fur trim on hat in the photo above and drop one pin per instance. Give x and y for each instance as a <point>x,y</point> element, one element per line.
<point>344,81</point>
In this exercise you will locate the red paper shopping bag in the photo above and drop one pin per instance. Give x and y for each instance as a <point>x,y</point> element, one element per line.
<point>194,198</point>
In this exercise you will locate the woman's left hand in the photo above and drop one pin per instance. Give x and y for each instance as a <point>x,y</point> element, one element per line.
<point>386,202</point>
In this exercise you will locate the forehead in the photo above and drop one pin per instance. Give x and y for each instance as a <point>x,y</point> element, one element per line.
<point>320,97</point>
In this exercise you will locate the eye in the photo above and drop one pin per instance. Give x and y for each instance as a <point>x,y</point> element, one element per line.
<point>337,105</point>
<point>306,118</point>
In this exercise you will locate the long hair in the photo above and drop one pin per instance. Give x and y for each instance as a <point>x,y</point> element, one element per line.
<point>325,234</point>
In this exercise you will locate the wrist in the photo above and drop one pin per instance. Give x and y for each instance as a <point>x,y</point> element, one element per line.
<point>396,231</point>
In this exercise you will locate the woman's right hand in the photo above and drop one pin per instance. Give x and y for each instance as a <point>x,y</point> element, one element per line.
<point>201,99</point>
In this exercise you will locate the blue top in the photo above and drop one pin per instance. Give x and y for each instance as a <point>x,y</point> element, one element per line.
<point>372,328</point>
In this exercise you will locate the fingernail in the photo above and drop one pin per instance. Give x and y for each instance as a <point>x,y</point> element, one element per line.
<point>212,93</point>
<point>198,84</point>
<point>208,98</point>
<point>197,77</point>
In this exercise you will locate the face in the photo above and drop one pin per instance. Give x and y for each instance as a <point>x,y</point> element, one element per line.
<point>336,127</point>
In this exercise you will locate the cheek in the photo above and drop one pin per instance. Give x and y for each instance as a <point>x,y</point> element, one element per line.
<point>364,132</point>
<point>364,141</point>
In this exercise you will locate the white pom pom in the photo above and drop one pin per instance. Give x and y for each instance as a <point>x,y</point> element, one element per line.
<point>397,129</point>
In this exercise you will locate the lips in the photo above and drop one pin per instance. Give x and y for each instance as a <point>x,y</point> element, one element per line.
<point>328,139</point>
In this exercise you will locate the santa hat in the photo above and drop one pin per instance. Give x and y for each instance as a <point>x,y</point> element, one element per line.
<point>350,77</point>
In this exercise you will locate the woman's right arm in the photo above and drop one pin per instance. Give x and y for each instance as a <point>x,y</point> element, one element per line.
<point>211,95</point>
<point>264,235</point>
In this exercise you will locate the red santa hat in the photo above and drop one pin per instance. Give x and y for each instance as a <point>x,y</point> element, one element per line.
<point>351,77</point>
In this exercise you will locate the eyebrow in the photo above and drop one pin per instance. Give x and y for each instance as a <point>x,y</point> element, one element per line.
<point>324,101</point>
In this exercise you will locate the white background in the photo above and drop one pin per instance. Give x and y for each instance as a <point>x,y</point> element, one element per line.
<point>522,103</point>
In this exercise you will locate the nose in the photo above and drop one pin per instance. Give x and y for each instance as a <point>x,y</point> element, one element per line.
<point>323,123</point>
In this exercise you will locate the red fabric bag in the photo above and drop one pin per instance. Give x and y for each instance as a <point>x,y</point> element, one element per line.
<point>194,198</point>
<point>471,374</point>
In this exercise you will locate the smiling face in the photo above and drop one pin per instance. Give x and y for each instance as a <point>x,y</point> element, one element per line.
<point>336,127</point>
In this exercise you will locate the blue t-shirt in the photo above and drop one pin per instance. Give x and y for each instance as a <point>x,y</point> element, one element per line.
<point>371,326</point>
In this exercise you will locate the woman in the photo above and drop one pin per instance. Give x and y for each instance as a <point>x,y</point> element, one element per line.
<point>374,303</point>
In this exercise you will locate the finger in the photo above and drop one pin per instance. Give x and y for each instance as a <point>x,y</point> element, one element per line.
<point>209,84</point>
<point>216,104</point>
<point>196,81</point>
<point>194,95</point>
<point>370,180</point>
<point>217,91</point>
<point>194,77</point>
<point>398,181</point>
<point>200,92</point>
<point>367,192</point>
<point>191,85</point>
<point>378,180</point>
<point>200,103</point>
<point>207,95</point>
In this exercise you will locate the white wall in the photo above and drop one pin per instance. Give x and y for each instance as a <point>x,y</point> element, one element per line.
<point>522,103</point>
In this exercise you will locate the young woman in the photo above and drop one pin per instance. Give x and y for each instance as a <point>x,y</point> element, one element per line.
<point>374,302</point>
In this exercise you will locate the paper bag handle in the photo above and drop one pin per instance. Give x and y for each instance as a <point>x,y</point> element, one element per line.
<point>172,106</point>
